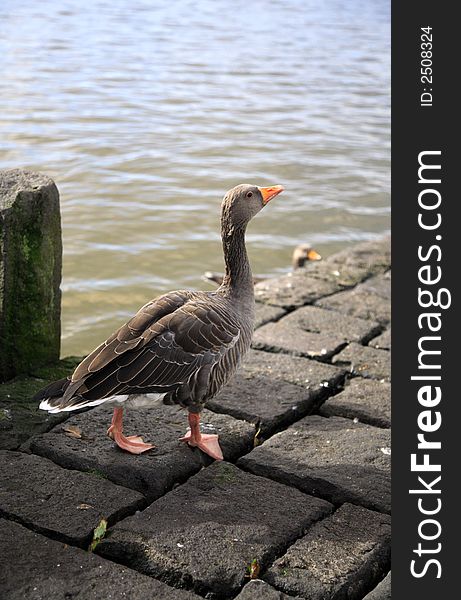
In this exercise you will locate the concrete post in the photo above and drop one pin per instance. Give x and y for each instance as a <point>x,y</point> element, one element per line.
<point>30,271</point>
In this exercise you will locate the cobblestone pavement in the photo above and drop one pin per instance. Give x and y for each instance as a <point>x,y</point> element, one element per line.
<point>300,506</point>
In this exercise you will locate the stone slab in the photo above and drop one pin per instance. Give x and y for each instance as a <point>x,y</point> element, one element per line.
<point>280,337</point>
<point>18,422</point>
<point>367,258</point>
<point>266,313</point>
<point>64,504</point>
<point>359,302</point>
<point>333,458</point>
<point>383,341</point>
<point>298,288</point>
<point>257,589</point>
<point>301,371</point>
<point>340,557</point>
<point>19,417</point>
<point>274,390</point>
<point>365,361</point>
<point>319,320</point>
<point>367,400</point>
<point>379,285</point>
<point>314,332</point>
<point>35,567</point>
<point>208,531</point>
<point>154,472</point>
<point>382,591</point>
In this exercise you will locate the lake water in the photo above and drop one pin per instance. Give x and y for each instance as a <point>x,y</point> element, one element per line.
<point>145,113</point>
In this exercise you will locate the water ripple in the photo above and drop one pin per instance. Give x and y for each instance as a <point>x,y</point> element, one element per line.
<point>145,113</point>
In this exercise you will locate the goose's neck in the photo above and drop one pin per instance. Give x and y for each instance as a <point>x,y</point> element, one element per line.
<point>238,278</point>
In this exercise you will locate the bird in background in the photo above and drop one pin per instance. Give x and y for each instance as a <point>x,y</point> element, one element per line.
<point>183,346</point>
<point>301,254</point>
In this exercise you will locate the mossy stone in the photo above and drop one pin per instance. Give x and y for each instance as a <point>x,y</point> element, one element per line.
<point>30,272</point>
<point>20,417</point>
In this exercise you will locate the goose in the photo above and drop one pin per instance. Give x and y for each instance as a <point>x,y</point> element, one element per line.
<point>182,346</point>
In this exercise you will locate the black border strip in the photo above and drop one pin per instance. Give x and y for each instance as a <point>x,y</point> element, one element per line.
<point>420,128</point>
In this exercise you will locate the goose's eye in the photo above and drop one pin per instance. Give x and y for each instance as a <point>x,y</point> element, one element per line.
<point>249,194</point>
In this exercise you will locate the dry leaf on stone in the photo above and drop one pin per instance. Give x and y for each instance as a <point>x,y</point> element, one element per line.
<point>73,431</point>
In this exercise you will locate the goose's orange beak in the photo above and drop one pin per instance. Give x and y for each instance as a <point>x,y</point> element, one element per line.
<point>313,255</point>
<point>270,192</point>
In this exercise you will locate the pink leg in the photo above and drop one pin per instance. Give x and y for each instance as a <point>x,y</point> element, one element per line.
<point>207,443</point>
<point>132,443</point>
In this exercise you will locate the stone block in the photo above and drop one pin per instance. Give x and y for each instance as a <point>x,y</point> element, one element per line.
<point>365,361</point>
<point>369,300</point>
<point>19,417</point>
<point>314,332</point>
<point>379,285</point>
<point>367,258</point>
<point>30,271</point>
<point>209,530</point>
<point>280,337</point>
<point>301,371</point>
<point>266,313</point>
<point>367,400</point>
<point>340,557</point>
<point>35,567</point>
<point>333,458</point>
<point>20,422</point>
<point>298,288</point>
<point>64,504</point>
<point>318,320</point>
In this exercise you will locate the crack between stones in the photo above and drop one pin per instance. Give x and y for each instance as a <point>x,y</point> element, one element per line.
<point>47,533</point>
<point>366,421</point>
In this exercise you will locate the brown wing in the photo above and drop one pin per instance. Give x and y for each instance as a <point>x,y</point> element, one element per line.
<point>130,335</point>
<point>173,341</point>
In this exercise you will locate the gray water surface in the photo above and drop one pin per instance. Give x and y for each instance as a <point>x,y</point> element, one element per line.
<point>146,112</point>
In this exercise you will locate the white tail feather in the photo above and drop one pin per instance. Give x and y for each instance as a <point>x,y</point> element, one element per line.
<point>134,400</point>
